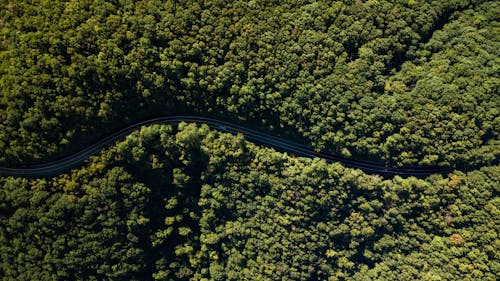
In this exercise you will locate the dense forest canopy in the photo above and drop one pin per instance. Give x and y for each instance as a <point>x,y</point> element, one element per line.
<point>401,82</point>
<point>189,203</point>
<point>405,82</point>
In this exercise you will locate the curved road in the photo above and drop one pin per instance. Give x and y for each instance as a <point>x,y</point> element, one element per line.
<point>58,166</point>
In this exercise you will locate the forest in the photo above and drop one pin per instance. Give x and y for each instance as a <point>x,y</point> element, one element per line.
<point>189,203</point>
<point>404,83</point>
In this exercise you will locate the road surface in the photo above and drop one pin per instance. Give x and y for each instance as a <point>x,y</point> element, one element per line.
<point>58,166</point>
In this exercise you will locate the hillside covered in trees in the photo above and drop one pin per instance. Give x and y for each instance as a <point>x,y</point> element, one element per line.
<point>401,82</point>
<point>190,203</point>
<point>404,82</point>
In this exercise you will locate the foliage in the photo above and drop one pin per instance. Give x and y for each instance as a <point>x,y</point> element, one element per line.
<point>402,82</point>
<point>185,203</point>
<point>405,82</point>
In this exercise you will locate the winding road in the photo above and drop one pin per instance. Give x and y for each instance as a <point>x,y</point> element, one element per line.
<point>58,166</point>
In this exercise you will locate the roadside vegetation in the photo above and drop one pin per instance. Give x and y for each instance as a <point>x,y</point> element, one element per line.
<point>404,82</point>
<point>193,204</point>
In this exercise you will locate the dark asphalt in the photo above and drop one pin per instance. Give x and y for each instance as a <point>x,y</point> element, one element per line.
<point>58,166</point>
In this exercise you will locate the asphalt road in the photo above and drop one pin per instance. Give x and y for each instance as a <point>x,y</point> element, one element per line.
<point>58,166</point>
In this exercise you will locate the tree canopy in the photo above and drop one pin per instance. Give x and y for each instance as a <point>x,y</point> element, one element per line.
<point>404,82</point>
<point>189,203</point>
<point>400,82</point>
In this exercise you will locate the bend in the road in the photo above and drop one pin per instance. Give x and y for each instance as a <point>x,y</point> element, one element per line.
<point>66,163</point>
